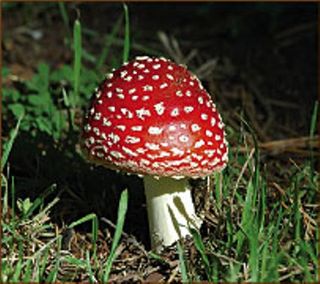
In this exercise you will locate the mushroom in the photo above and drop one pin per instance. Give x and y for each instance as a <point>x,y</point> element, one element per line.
<point>153,118</point>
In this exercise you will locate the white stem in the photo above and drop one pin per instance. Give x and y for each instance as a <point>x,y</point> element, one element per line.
<point>170,210</point>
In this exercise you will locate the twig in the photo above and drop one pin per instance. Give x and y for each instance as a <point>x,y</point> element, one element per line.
<point>301,142</point>
<point>173,274</point>
<point>103,219</point>
<point>288,145</point>
<point>284,104</point>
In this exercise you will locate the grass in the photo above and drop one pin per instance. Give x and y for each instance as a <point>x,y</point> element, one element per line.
<point>117,235</point>
<point>8,146</point>
<point>77,61</point>
<point>256,229</point>
<point>126,43</point>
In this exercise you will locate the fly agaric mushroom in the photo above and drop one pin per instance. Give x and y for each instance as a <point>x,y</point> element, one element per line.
<point>153,118</point>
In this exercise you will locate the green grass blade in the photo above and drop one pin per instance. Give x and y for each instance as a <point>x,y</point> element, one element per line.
<point>256,153</point>
<point>82,220</point>
<point>157,257</point>
<point>70,111</point>
<point>246,216</point>
<point>233,274</point>
<point>263,206</point>
<point>13,203</point>
<point>182,264</point>
<point>39,201</point>
<point>94,237</point>
<point>45,211</point>
<point>90,217</point>
<point>66,99</point>
<point>8,145</point>
<point>109,41</point>
<point>65,18</point>
<point>218,189</point>
<point>43,261</point>
<point>18,267</point>
<point>47,245</point>
<point>75,261</point>
<point>254,255</point>
<point>5,202</point>
<point>309,250</point>
<point>230,229</point>
<point>28,271</point>
<point>201,249</point>
<point>17,271</point>
<point>314,119</point>
<point>313,126</point>
<point>53,275</point>
<point>123,205</point>
<point>264,260</point>
<point>296,211</point>
<point>126,44</point>
<point>89,268</point>
<point>308,276</point>
<point>77,61</point>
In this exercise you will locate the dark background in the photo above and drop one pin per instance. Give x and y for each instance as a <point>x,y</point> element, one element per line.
<point>269,49</point>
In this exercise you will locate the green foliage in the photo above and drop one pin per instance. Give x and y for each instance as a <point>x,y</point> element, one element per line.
<point>43,105</point>
<point>41,112</point>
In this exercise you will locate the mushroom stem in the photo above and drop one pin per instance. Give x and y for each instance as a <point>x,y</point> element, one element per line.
<point>170,210</point>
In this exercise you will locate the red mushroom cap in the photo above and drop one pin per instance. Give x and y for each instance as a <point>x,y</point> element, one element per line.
<point>152,116</point>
